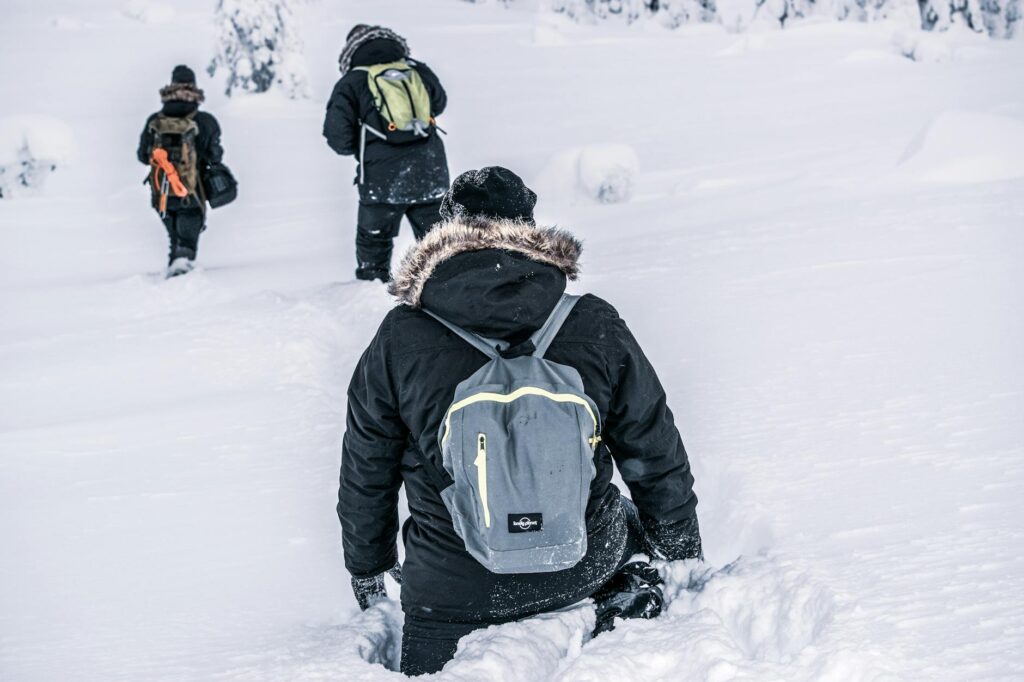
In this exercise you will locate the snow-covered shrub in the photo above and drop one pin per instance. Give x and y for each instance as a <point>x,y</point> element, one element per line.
<point>607,173</point>
<point>32,147</point>
<point>604,174</point>
<point>671,12</point>
<point>260,47</point>
<point>148,11</point>
<point>923,46</point>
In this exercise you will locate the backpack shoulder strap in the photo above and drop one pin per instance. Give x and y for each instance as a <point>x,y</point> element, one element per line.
<point>480,343</point>
<point>543,337</point>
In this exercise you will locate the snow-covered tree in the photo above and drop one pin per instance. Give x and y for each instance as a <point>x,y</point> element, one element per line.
<point>783,11</point>
<point>998,18</point>
<point>939,15</point>
<point>1002,18</point>
<point>260,47</point>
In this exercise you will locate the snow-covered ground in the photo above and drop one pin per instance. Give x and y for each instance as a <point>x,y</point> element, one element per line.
<point>821,252</point>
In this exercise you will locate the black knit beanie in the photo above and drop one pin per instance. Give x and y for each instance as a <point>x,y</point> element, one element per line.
<point>491,192</point>
<point>183,74</point>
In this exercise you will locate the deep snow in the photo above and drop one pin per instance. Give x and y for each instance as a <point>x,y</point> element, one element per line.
<point>815,254</point>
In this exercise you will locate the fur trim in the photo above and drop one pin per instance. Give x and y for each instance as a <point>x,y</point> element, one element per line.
<point>543,244</point>
<point>181,92</point>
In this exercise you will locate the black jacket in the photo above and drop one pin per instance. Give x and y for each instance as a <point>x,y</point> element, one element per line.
<point>412,173</point>
<point>208,146</point>
<point>502,285</point>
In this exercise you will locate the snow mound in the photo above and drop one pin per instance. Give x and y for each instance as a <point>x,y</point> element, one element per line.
<point>148,11</point>
<point>68,23</point>
<point>604,174</point>
<point>771,612</point>
<point>32,147</point>
<point>744,620</point>
<point>921,46</point>
<point>524,651</point>
<point>966,147</point>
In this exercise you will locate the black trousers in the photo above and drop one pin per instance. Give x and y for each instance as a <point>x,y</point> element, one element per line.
<point>183,228</point>
<point>377,228</point>
<point>428,644</point>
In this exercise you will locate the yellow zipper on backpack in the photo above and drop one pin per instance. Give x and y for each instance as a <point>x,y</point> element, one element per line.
<point>516,395</point>
<point>481,475</point>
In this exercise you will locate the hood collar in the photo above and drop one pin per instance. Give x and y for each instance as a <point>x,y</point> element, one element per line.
<point>181,92</point>
<point>547,245</point>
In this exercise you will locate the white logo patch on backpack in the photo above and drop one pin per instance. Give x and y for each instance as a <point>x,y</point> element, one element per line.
<point>518,443</point>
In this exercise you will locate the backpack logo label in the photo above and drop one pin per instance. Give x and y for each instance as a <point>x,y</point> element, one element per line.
<point>525,523</point>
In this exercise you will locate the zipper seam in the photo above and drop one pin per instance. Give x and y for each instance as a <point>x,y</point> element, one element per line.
<point>515,395</point>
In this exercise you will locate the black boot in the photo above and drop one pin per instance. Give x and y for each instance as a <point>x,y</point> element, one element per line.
<point>633,592</point>
<point>371,271</point>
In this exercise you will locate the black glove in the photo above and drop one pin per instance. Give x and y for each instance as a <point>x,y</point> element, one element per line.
<point>370,591</point>
<point>633,592</point>
<point>673,540</point>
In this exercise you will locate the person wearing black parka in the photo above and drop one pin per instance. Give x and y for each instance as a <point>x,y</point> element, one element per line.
<point>490,269</point>
<point>184,221</point>
<point>394,180</point>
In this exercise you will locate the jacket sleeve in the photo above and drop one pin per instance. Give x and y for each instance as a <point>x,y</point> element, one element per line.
<point>370,459</point>
<point>143,152</point>
<point>645,443</point>
<point>341,124</point>
<point>212,151</point>
<point>438,97</point>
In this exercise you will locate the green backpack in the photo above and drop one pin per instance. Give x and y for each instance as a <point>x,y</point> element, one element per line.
<point>402,101</point>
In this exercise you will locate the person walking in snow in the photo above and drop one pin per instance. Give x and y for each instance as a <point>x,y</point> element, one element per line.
<point>382,111</point>
<point>482,294</point>
<point>179,143</point>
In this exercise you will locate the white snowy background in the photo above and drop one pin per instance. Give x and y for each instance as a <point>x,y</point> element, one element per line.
<point>818,241</point>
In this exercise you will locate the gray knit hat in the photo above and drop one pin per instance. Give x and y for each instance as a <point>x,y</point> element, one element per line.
<point>362,34</point>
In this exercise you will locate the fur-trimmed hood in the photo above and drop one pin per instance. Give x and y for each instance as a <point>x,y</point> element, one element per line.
<point>547,245</point>
<point>181,92</point>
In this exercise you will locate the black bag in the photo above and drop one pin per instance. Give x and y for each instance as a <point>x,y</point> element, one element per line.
<point>220,185</point>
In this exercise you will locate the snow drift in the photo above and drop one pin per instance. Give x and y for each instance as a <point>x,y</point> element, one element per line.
<point>961,147</point>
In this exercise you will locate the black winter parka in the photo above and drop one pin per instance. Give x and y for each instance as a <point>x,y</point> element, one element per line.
<point>398,174</point>
<point>500,280</point>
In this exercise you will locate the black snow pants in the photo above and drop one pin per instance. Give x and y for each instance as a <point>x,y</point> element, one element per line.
<point>377,228</point>
<point>427,645</point>
<point>183,228</point>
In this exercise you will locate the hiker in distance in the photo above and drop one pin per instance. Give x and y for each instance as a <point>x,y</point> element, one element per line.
<point>383,112</point>
<point>180,143</point>
<point>500,403</point>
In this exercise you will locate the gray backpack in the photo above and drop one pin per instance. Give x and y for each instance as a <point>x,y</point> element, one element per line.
<point>518,443</point>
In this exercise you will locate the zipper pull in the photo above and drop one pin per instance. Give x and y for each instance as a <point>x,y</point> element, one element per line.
<point>481,475</point>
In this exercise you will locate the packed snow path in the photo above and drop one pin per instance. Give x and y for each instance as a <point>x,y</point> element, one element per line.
<point>828,285</point>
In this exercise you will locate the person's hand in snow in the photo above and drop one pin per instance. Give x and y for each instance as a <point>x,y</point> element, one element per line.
<point>370,591</point>
<point>673,540</point>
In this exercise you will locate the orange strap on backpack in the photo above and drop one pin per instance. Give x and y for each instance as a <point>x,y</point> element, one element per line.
<point>160,161</point>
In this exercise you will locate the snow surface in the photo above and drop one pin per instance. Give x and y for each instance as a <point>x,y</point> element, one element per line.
<point>840,340</point>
